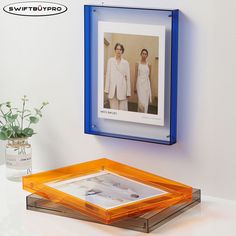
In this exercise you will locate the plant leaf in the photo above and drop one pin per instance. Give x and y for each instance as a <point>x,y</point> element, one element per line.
<point>14,116</point>
<point>45,103</point>
<point>16,128</point>
<point>8,104</point>
<point>34,119</point>
<point>28,132</point>
<point>3,135</point>
<point>38,112</point>
<point>4,129</point>
<point>11,118</point>
<point>9,133</point>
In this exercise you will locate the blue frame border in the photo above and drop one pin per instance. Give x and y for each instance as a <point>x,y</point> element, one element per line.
<point>174,75</point>
<point>88,79</point>
<point>87,69</point>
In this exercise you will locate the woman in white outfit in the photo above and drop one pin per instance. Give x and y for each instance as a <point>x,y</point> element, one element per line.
<point>117,84</point>
<point>142,82</point>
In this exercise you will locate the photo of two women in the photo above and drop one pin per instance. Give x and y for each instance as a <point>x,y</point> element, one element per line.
<point>131,72</point>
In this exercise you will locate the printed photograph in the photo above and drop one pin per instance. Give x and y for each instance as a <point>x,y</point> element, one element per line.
<point>131,72</point>
<point>106,189</point>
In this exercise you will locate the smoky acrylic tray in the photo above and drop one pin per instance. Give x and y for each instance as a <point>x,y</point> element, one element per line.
<point>146,222</point>
<point>106,190</point>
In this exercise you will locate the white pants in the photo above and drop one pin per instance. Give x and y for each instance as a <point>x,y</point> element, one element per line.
<point>118,104</point>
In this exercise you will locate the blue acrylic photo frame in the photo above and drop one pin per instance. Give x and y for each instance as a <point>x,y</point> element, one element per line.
<point>96,125</point>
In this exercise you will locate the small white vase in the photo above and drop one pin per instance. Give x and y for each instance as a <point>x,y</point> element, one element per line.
<point>18,158</point>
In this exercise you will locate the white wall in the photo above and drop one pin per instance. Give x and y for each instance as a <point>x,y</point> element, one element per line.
<point>43,58</point>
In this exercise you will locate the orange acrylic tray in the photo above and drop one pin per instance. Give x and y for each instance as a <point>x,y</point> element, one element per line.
<point>107,190</point>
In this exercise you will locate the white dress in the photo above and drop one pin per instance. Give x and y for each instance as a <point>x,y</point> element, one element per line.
<point>143,88</point>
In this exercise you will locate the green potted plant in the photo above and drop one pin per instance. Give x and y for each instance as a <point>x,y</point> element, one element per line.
<point>16,127</point>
